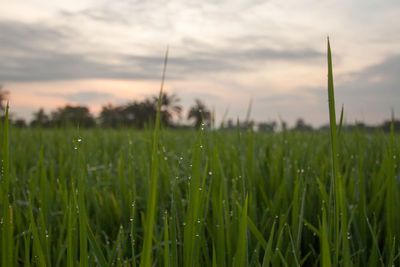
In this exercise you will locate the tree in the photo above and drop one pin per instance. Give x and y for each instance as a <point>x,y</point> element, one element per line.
<point>3,98</point>
<point>139,113</point>
<point>40,118</point>
<point>302,126</point>
<point>386,125</point>
<point>111,116</point>
<point>169,107</point>
<point>72,115</point>
<point>267,126</point>
<point>20,123</point>
<point>200,113</point>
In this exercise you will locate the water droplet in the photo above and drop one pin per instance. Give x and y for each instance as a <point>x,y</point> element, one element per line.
<point>210,173</point>
<point>79,140</point>
<point>131,219</point>
<point>75,147</point>
<point>165,158</point>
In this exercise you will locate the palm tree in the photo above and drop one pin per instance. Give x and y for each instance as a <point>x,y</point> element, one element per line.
<point>200,113</point>
<point>169,107</point>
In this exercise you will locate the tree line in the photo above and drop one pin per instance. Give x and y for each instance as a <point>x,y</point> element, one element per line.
<point>138,114</point>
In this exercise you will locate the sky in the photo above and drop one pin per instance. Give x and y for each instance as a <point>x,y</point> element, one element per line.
<point>226,53</point>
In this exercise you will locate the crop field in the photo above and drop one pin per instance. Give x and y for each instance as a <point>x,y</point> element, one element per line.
<point>223,198</point>
<point>163,197</point>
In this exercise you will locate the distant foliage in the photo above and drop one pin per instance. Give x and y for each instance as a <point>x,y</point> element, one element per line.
<point>40,119</point>
<point>141,113</point>
<point>3,98</point>
<point>200,114</point>
<point>72,115</point>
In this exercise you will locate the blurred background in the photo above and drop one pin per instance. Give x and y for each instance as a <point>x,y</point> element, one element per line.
<point>228,55</point>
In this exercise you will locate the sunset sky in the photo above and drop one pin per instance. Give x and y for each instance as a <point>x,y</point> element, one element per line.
<point>94,52</point>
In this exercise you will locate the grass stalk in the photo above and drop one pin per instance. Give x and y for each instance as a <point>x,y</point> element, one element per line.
<point>145,260</point>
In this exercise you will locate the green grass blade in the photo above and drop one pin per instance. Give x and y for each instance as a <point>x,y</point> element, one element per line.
<point>341,121</point>
<point>256,233</point>
<point>37,246</point>
<point>166,242</point>
<point>325,248</point>
<point>240,255</point>
<point>101,260</point>
<point>340,220</point>
<point>132,235</point>
<point>268,250</point>
<point>145,260</point>
<point>7,224</point>
<point>83,255</point>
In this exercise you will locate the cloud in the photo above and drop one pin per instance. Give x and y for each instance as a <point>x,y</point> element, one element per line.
<point>375,86</point>
<point>104,15</point>
<point>84,97</point>
<point>37,52</point>
<point>368,95</point>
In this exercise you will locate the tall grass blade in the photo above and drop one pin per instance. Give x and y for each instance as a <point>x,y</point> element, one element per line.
<point>37,246</point>
<point>340,220</point>
<point>341,121</point>
<point>166,242</point>
<point>145,260</point>
<point>325,248</point>
<point>100,259</point>
<point>240,255</point>
<point>82,226</point>
<point>7,224</point>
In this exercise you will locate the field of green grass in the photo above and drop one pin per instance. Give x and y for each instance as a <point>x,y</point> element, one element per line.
<point>223,198</point>
<point>159,197</point>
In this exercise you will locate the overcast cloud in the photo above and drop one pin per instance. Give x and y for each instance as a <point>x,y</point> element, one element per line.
<point>225,52</point>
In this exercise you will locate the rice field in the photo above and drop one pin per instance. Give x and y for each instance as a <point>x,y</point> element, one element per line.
<point>162,197</point>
